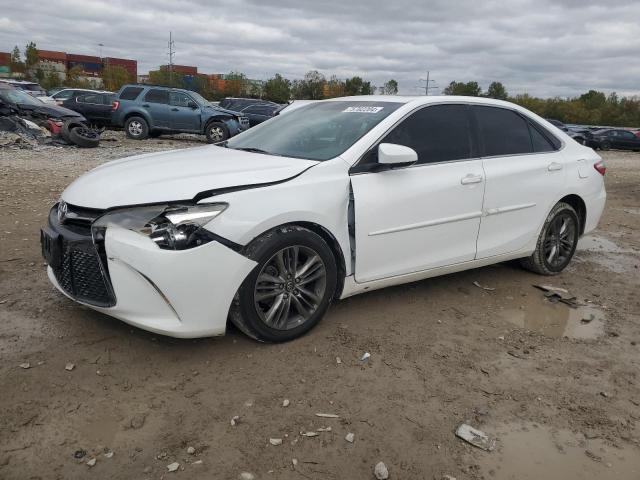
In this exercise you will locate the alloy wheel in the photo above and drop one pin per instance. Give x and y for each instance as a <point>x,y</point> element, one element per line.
<point>559,241</point>
<point>290,287</point>
<point>135,128</point>
<point>216,134</point>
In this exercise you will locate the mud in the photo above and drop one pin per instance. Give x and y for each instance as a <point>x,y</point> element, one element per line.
<point>443,352</point>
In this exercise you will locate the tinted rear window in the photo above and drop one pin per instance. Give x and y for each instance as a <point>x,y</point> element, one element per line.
<point>130,93</point>
<point>502,131</point>
<point>540,141</point>
<point>156,95</point>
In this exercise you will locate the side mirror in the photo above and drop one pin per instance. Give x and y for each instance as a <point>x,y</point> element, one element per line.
<point>395,155</point>
<point>193,105</point>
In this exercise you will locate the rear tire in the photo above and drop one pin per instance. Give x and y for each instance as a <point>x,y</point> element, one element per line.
<point>84,137</point>
<point>605,146</point>
<point>136,128</point>
<point>557,241</point>
<point>290,289</point>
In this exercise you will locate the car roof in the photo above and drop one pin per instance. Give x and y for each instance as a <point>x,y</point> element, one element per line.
<point>83,90</point>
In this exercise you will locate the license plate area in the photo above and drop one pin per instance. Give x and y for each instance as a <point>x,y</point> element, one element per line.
<point>51,245</point>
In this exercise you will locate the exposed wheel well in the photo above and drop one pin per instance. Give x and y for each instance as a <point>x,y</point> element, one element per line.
<point>579,206</point>
<point>135,114</point>
<point>328,237</point>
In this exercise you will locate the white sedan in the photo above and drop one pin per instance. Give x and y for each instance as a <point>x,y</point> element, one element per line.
<point>336,198</point>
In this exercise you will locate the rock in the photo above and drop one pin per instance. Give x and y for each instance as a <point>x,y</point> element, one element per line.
<point>172,467</point>
<point>294,461</point>
<point>365,356</point>
<point>235,420</point>
<point>79,454</point>
<point>108,454</point>
<point>285,402</point>
<point>91,462</point>
<point>448,477</point>
<point>309,434</point>
<point>604,394</point>
<point>475,437</point>
<point>275,441</point>
<point>191,450</point>
<point>247,476</point>
<point>338,360</point>
<point>380,471</point>
<point>349,437</point>
<point>69,366</point>
<point>137,421</point>
<point>324,429</point>
<point>25,365</point>
<point>197,462</point>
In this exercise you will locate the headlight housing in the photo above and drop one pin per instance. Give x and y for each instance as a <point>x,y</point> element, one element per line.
<point>171,227</point>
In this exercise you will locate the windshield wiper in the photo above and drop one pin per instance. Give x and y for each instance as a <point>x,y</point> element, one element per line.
<point>255,150</point>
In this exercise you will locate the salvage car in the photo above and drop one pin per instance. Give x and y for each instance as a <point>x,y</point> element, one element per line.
<point>609,138</point>
<point>67,93</point>
<point>95,107</point>
<point>148,110</point>
<point>336,198</point>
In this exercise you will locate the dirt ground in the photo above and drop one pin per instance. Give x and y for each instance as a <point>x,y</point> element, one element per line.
<point>558,387</point>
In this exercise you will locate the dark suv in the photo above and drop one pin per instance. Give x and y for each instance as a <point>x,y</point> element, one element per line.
<point>148,110</point>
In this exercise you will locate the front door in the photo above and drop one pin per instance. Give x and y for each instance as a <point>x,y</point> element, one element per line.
<point>184,117</point>
<point>524,176</point>
<point>423,216</point>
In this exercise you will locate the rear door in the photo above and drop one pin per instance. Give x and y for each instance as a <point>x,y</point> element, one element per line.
<point>524,176</point>
<point>184,117</point>
<point>156,103</point>
<point>628,140</point>
<point>424,216</point>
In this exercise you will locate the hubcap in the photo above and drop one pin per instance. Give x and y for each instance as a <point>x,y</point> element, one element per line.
<point>559,241</point>
<point>216,134</point>
<point>290,287</point>
<point>135,128</point>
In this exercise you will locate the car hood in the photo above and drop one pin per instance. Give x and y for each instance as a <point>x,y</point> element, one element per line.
<point>53,111</point>
<point>223,110</point>
<point>177,175</point>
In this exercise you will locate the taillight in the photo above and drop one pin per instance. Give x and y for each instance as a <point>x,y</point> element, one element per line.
<point>115,106</point>
<point>601,167</point>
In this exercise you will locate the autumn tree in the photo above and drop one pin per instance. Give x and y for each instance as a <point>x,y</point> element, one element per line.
<point>114,77</point>
<point>235,84</point>
<point>311,87</point>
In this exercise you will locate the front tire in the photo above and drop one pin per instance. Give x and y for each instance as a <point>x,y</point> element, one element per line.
<point>290,289</point>
<point>216,132</point>
<point>605,146</point>
<point>557,241</point>
<point>136,128</point>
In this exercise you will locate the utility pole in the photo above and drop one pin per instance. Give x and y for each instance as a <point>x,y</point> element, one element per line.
<point>427,84</point>
<point>171,54</point>
<point>101,45</point>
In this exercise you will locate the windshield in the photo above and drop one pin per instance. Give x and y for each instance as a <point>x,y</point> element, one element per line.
<point>19,97</point>
<point>200,100</point>
<point>318,131</point>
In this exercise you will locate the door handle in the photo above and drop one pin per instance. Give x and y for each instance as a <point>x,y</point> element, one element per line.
<point>470,178</point>
<point>553,166</point>
<point>175,110</point>
<point>146,105</point>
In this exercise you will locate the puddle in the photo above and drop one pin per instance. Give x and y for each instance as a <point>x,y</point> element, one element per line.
<point>537,314</point>
<point>532,452</point>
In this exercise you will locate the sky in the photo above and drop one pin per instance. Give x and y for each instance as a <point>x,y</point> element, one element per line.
<point>545,48</point>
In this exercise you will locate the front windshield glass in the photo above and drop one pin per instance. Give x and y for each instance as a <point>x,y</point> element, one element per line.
<point>199,99</point>
<point>19,97</point>
<point>318,131</point>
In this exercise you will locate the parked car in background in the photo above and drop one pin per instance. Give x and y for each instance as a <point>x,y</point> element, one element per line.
<point>608,138</point>
<point>257,111</point>
<point>637,133</point>
<point>578,136</point>
<point>336,198</point>
<point>147,110</point>
<point>32,88</point>
<point>293,105</point>
<point>18,101</point>
<point>95,107</point>
<point>67,93</point>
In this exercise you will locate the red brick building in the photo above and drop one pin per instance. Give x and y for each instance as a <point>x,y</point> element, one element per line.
<point>91,66</point>
<point>130,66</point>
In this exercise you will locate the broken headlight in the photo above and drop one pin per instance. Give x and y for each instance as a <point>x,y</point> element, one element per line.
<point>171,227</point>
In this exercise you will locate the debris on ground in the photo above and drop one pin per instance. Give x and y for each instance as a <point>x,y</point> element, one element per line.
<point>380,471</point>
<point>558,294</point>
<point>588,319</point>
<point>91,462</point>
<point>327,415</point>
<point>191,450</point>
<point>70,366</point>
<point>285,402</point>
<point>475,437</point>
<point>365,356</point>
<point>309,434</point>
<point>20,132</point>
<point>235,420</point>
<point>172,467</point>
<point>247,476</point>
<point>349,437</point>
<point>324,429</point>
<point>294,462</point>
<point>25,365</point>
<point>483,287</point>
<point>79,454</point>
<point>338,360</point>
<point>108,454</point>
<point>275,441</point>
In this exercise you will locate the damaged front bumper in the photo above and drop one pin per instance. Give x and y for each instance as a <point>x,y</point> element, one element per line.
<point>183,294</point>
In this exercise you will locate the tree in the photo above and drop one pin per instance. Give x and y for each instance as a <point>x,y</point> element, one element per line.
<point>496,90</point>
<point>470,89</point>
<point>593,99</point>
<point>353,86</point>
<point>75,80</point>
<point>50,80</point>
<point>166,78</point>
<point>389,88</point>
<point>15,61</point>
<point>30,55</point>
<point>114,77</point>
<point>311,87</point>
<point>277,89</point>
<point>235,84</point>
<point>334,88</point>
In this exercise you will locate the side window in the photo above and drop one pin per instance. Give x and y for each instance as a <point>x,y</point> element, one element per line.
<point>63,95</point>
<point>438,133</point>
<point>627,135</point>
<point>108,99</point>
<point>540,141</point>
<point>155,95</point>
<point>179,99</point>
<point>131,93</point>
<point>90,99</point>
<point>502,131</point>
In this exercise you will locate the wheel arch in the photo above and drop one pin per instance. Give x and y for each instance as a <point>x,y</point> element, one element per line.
<point>137,113</point>
<point>579,206</point>
<point>328,237</point>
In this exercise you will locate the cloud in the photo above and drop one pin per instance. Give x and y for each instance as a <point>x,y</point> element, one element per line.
<point>543,47</point>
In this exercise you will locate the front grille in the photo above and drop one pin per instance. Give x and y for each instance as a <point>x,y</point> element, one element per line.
<point>244,122</point>
<point>81,271</point>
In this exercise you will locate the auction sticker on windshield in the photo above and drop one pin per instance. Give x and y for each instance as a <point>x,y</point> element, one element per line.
<point>362,109</point>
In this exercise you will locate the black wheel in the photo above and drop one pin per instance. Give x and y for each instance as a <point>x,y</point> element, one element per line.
<point>155,133</point>
<point>84,137</point>
<point>216,132</point>
<point>136,128</point>
<point>580,140</point>
<point>605,146</point>
<point>290,289</point>
<point>557,242</point>
<point>65,132</point>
